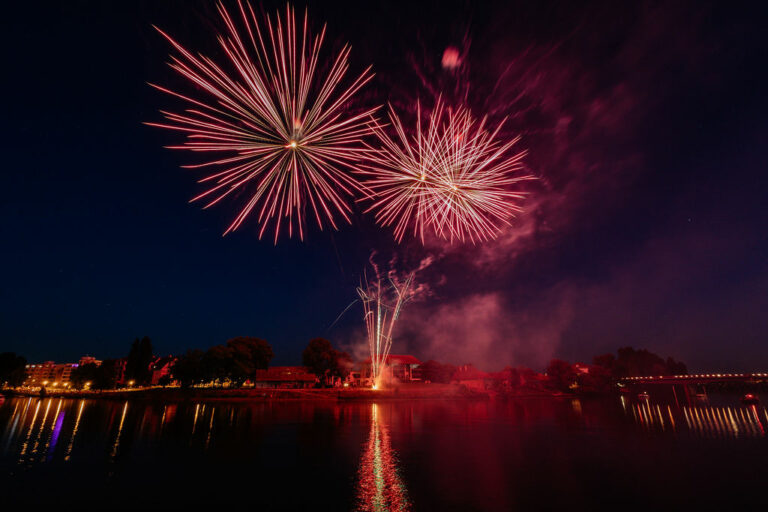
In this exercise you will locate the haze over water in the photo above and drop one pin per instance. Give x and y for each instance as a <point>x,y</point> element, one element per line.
<point>525,454</point>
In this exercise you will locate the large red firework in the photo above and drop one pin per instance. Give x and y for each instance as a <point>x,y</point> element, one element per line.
<point>450,177</point>
<point>277,117</point>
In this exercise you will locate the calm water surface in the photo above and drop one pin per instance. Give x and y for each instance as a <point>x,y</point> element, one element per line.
<point>526,454</point>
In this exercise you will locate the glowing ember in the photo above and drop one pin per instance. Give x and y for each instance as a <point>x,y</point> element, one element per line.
<point>280,121</point>
<point>451,177</point>
<point>451,58</point>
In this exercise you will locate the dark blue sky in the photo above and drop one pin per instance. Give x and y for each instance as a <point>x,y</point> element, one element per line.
<point>646,127</point>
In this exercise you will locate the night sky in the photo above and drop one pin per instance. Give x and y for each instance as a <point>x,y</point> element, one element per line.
<point>645,124</point>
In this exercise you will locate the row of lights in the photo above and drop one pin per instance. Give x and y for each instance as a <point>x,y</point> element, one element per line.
<point>87,384</point>
<point>699,375</point>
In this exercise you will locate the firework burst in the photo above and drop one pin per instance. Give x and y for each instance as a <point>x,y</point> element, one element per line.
<point>452,177</point>
<point>276,120</point>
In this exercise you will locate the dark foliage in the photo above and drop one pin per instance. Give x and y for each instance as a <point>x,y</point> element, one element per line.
<point>326,362</point>
<point>103,376</point>
<point>235,362</point>
<point>188,369</point>
<point>140,357</point>
<point>639,363</point>
<point>12,369</point>
<point>562,375</point>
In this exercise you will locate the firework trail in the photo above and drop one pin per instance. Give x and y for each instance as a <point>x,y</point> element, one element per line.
<point>276,119</point>
<point>382,299</point>
<point>451,177</point>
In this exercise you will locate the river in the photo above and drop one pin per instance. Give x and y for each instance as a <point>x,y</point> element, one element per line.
<point>431,455</point>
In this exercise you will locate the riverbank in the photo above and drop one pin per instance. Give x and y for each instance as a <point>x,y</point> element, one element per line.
<point>175,394</point>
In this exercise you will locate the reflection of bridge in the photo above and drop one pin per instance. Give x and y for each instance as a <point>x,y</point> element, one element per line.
<point>701,378</point>
<point>700,420</point>
<point>686,389</point>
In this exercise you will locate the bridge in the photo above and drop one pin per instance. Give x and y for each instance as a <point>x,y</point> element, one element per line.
<point>699,378</point>
<point>685,388</point>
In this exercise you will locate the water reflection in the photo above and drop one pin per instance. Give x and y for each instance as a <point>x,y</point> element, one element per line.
<point>380,487</point>
<point>116,444</point>
<point>74,430</point>
<point>451,455</point>
<point>701,421</point>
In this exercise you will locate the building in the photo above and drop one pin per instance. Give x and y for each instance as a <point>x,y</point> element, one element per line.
<point>398,368</point>
<point>284,377</point>
<point>120,365</point>
<point>49,374</point>
<point>581,368</point>
<point>161,367</point>
<point>89,360</point>
<point>470,377</point>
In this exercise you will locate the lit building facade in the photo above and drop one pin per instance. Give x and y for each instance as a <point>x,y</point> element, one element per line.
<point>49,373</point>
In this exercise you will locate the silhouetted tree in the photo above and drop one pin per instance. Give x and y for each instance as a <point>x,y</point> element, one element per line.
<point>237,361</point>
<point>561,374</point>
<point>248,355</point>
<point>217,363</point>
<point>138,362</point>
<point>106,375</point>
<point>84,373</point>
<point>597,380</point>
<point>323,360</point>
<point>607,361</point>
<point>12,369</point>
<point>676,367</point>
<point>639,363</point>
<point>188,369</point>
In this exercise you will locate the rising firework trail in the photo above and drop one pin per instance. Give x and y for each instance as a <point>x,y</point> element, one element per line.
<point>451,177</point>
<point>382,302</point>
<point>276,117</point>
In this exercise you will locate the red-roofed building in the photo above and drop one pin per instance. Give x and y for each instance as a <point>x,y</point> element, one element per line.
<point>284,377</point>
<point>469,376</point>
<point>398,368</point>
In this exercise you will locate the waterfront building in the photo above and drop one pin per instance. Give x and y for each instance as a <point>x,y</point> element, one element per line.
<point>470,377</point>
<point>161,367</point>
<point>120,365</point>
<point>284,377</point>
<point>49,374</point>
<point>89,360</point>
<point>398,368</point>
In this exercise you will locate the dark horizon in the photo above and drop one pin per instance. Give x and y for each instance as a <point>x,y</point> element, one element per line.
<point>647,228</point>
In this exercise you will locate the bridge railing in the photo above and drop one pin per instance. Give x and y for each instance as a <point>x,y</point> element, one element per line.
<point>696,376</point>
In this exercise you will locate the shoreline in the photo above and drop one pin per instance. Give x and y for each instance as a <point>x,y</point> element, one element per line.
<point>448,392</point>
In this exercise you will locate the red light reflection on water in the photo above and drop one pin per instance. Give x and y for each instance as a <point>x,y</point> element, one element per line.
<point>380,487</point>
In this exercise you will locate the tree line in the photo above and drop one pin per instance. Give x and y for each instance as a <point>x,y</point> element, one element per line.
<point>607,369</point>
<point>240,358</point>
<point>232,363</point>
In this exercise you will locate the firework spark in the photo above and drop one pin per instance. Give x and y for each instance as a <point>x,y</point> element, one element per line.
<point>278,119</point>
<point>382,302</point>
<point>452,177</point>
